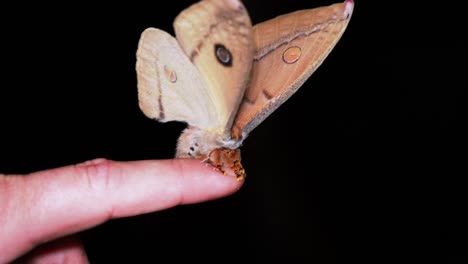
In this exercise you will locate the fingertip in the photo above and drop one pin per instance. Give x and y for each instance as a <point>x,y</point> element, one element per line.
<point>203,182</point>
<point>152,185</point>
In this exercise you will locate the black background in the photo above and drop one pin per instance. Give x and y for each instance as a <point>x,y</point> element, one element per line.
<point>364,163</point>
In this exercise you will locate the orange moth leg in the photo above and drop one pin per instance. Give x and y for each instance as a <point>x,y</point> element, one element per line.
<point>224,157</point>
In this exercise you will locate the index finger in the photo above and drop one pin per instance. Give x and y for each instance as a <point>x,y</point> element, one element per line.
<point>53,203</point>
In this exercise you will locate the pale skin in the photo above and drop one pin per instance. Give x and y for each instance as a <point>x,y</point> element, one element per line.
<point>41,213</point>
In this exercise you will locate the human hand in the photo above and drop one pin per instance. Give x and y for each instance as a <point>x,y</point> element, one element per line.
<point>43,208</point>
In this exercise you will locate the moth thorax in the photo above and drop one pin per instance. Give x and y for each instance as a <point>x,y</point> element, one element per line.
<point>197,143</point>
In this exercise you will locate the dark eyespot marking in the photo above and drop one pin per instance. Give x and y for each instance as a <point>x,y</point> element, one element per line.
<point>192,149</point>
<point>190,154</point>
<point>223,55</point>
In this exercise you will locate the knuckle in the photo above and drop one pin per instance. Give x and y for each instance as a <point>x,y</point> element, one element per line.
<point>96,173</point>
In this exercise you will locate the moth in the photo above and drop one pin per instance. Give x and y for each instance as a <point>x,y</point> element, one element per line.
<point>223,77</point>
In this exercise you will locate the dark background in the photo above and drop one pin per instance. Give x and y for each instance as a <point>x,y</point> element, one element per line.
<point>366,162</point>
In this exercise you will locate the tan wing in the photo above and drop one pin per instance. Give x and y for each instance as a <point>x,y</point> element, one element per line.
<point>217,37</point>
<point>169,86</point>
<point>288,49</point>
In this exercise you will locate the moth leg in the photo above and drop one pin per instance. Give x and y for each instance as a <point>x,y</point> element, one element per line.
<point>224,157</point>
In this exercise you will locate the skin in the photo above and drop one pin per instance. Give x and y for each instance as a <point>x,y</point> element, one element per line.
<point>41,212</point>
